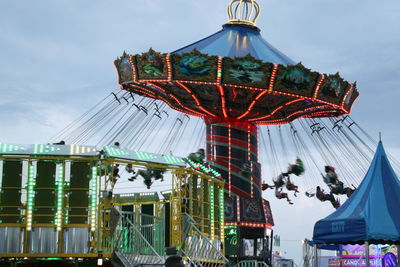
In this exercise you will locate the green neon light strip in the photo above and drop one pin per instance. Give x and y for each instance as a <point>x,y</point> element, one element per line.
<point>115,152</point>
<point>6,148</point>
<point>44,149</point>
<point>204,168</point>
<point>60,196</point>
<point>93,199</point>
<point>30,196</point>
<point>172,160</point>
<point>144,155</point>
<point>212,216</point>
<point>221,212</point>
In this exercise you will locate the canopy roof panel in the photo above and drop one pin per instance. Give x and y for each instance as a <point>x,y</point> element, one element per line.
<point>371,213</point>
<point>238,89</point>
<point>235,40</point>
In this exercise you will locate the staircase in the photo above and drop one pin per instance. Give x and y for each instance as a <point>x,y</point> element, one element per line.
<point>138,241</point>
<point>138,244</point>
<point>198,249</point>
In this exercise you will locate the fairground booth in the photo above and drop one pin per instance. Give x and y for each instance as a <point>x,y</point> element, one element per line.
<point>365,230</point>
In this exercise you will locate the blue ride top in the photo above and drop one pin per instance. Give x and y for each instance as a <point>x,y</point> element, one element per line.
<point>238,40</point>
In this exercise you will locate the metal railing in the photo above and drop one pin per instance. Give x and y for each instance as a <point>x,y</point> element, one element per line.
<point>137,241</point>
<point>251,263</point>
<point>198,249</point>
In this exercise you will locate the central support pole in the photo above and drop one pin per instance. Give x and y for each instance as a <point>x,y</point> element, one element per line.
<point>232,150</point>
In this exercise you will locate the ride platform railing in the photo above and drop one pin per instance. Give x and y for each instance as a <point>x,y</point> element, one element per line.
<point>251,263</point>
<point>137,239</point>
<point>198,249</point>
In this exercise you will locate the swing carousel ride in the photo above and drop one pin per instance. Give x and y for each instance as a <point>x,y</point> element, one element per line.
<point>236,81</point>
<point>232,97</point>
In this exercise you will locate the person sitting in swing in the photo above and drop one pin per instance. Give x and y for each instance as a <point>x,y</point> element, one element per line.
<point>278,183</point>
<point>114,175</point>
<point>330,177</point>
<point>147,175</point>
<point>265,186</point>
<point>296,169</point>
<point>336,203</point>
<point>292,187</point>
<point>148,183</point>
<point>349,191</point>
<point>333,182</point>
<point>320,194</point>
<point>339,189</point>
<point>129,169</point>
<point>280,195</point>
<point>197,157</point>
<point>159,175</point>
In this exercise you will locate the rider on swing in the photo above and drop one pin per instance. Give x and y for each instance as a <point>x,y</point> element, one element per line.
<point>330,177</point>
<point>292,187</point>
<point>337,187</point>
<point>278,183</point>
<point>198,157</point>
<point>148,174</point>
<point>280,195</point>
<point>114,175</point>
<point>296,169</point>
<point>322,196</point>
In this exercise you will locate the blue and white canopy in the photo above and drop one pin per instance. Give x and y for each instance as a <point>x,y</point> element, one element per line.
<point>371,214</point>
<point>236,40</point>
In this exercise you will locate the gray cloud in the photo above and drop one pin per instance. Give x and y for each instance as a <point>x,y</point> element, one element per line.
<point>56,60</point>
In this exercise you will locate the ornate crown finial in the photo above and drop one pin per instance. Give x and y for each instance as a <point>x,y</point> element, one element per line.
<point>243,12</point>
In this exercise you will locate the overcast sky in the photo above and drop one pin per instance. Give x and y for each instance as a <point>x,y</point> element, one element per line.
<point>56,61</point>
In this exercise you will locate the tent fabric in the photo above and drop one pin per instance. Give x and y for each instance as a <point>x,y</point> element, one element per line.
<point>238,41</point>
<point>371,214</point>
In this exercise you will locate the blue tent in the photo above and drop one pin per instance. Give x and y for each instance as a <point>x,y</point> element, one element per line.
<point>237,40</point>
<point>371,214</point>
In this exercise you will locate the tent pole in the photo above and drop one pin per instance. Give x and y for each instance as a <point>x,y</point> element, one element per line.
<point>398,258</point>
<point>366,246</point>
<point>315,255</point>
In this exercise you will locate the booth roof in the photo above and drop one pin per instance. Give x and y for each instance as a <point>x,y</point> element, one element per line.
<point>371,214</point>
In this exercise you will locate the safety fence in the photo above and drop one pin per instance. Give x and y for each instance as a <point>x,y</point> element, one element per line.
<point>251,263</point>
<point>138,239</point>
<point>198,249</point>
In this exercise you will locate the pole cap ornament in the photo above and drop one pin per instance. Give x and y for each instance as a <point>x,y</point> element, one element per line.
<point>243,12</point>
